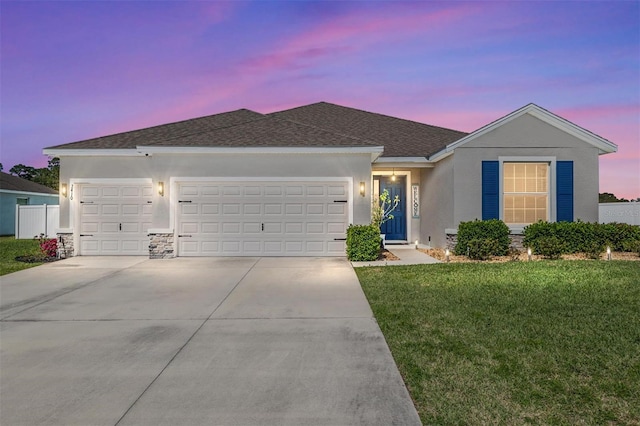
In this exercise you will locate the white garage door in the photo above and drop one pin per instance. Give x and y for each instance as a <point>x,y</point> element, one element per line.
<point>262,218</point>
<point>114,219</point>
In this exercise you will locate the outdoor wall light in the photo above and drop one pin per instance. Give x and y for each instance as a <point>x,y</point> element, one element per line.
<point>63,190</point>
<point>362,189</point>
<point>161,189</point>
<point>393,175</point>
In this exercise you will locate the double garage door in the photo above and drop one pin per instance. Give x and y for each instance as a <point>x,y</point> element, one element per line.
<point>220,218</point>
<point>262,218</point>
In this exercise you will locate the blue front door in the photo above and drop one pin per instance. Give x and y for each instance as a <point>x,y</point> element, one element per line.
<point>396,228</point>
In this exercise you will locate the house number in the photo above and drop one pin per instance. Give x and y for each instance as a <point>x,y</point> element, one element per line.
<point>415,201</point>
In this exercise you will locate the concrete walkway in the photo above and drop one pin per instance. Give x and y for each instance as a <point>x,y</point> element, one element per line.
<point>234,341</point>
<point>408,256</point>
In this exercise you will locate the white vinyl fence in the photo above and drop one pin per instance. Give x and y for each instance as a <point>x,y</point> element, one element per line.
<point>619,212</point>
<point>32,221</point>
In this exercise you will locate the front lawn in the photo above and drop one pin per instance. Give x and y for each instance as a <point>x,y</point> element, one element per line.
<point>10,248</point>
<point>549,342</point>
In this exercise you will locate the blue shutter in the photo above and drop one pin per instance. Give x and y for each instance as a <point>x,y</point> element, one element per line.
<point>564,191</point>
<point>490,188</point>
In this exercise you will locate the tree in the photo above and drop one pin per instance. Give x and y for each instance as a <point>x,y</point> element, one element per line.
<point>22,171</point>
<point>607,197</point>
<point>47,176</point>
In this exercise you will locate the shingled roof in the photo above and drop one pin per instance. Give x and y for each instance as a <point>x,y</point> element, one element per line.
<point>166,132</point>
<point>400,138</point>
<point>14,183</point>
<point>317,125</point>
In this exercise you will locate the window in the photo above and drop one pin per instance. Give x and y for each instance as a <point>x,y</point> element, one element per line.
<point>22,201</point>
<point>526,192</point>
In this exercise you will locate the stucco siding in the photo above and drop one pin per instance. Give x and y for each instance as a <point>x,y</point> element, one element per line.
<point>437,202</point>
<point>170,168</point>
<point>525,136</point>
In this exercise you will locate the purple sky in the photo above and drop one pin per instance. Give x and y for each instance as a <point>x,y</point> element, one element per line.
<point>75,70</point>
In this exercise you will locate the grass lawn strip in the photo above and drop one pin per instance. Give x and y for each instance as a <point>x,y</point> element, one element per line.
<point>548,342</point>
<point>10,248</point>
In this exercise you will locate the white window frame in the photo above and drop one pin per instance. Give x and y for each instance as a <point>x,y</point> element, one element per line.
<point>551,182</point>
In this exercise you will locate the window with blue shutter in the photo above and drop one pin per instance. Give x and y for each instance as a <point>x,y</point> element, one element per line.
<point>490,190</point>
<point>564,191</point>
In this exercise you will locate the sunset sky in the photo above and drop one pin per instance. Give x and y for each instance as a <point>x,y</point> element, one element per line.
<point>79,69</point>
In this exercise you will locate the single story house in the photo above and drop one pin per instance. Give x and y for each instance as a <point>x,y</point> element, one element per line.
<point>17,191</point>
<point>289,183</point>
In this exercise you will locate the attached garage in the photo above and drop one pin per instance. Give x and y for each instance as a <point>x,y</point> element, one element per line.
<point>258,218</point>
<point>114,219</point>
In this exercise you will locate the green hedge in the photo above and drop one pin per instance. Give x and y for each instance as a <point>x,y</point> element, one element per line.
<point>493,229</point>
<point>583,237</point>
<point>363,242</point>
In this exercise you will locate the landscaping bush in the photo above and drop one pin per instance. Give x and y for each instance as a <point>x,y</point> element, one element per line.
<point>482,248</point>
<point>48,246</point>
<point>585,237</point>
<point>631,246</point>
<point>594,249</point>
<point>492,229</point>
<point>363,242</point>
<point>551,247</point>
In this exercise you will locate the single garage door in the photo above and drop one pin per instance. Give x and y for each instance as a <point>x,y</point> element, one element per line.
<point>262,218</point>
<point>114,219</point>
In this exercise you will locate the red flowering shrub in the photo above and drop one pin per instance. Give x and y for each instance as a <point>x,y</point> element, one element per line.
<point>48,246</point>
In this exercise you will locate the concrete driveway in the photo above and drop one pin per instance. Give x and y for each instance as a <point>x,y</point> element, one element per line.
<point>232,341</point>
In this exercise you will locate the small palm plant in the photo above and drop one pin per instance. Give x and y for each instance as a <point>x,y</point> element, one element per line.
<point>382,208</point>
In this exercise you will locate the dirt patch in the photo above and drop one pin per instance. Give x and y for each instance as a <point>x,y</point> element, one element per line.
<point>440,255</point>
<point>35,259</point>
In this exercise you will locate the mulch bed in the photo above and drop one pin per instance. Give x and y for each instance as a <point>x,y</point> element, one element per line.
<point>440,255</point>
<point>387,255</point>
<point>35,259</point>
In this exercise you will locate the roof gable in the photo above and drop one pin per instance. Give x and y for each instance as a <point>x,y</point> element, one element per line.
<point>13,183</point>
<point>604,146</point>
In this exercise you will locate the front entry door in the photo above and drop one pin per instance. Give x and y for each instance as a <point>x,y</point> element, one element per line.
<point>396,228</point>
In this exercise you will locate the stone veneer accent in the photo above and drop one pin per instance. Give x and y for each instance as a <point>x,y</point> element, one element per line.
<point>516,241</point>
<point>65,245</point>
<point>161,246</point>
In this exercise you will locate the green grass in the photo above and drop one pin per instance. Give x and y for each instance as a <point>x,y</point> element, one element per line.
<point>10,248</point>
<point>553,342</point>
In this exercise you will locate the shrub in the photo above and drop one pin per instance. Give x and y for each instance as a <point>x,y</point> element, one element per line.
<point>482,248</point>
<point>493,229</point>
<point>551,247</point>
<point>583,236</point>
<point>631,246</point>
<point>594,249</point>
<point>48,246</point>
<point>363,242</point>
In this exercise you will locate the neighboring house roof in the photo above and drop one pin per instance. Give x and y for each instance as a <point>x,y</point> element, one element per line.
<point>400,138</point>
<point>604,146</point>
<point>13,183</point>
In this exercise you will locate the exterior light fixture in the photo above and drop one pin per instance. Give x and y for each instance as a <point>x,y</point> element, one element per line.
<point>63,190</point>
<point>608,253</point>
<point>446,255</point>
<point>393,175</point>
<point>161,189</point>
<point>416,244</point>
<point>529,253</point>
<point>362,189</point>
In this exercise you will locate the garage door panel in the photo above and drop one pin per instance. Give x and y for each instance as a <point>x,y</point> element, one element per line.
<point>114,219</point>
<point>265,218</point>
